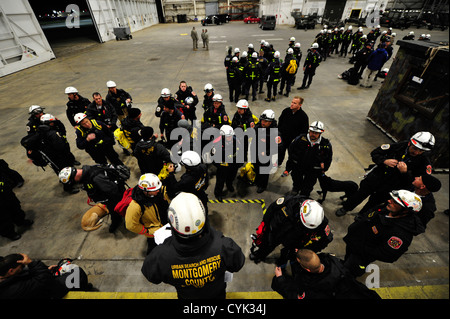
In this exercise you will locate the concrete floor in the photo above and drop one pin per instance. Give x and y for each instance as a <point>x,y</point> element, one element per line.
<point>159,57</point>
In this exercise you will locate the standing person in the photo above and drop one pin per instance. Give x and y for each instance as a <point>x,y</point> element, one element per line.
<point>205,38</point>
<point>195,258</point>
<point>169,121</point>
<point>96,139</point>
<point>195,180</point>
<point>11,213</point>
<point>76,103</point>
<point>234,79</point>
<point>264,162</point>
<point>362,58</point>
<point>292,122</point>
<point>182,95</point>
<point>102,111</point>
<point>208,97</point>
<point>194,36</point>
<point>294,222</point>
<point>288,71</point>
<point>102,185</point>
<point>273,74</point>
<point>131,126</point>
<point>147,211</point>
<point>216,115</point>
<point>396,166</point>
<point>150,154</point>
<point>34,121</point>
<point>384,234</point>
<point>312,61</point>
<point>375,62</point>
<point>310,157</point>
<point>119,98</point>
<point>346,39</point>
<point>264,64</point>
<point>252,72</point>
<point>319,276</point>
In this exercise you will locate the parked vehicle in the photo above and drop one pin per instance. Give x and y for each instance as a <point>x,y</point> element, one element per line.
<point>305,22</point>
<point>252,19</point>
<point>216,19</point>
<point>268,22</point>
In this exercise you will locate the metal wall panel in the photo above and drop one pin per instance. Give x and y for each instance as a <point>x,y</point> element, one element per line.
<point>22,41</point>
<point>110,14</point>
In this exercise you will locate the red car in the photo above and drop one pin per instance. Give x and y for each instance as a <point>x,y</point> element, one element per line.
<point>251,19</point>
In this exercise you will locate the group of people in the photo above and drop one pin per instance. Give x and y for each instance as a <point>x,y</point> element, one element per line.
<point>205,39</point>
<point>196,257</point>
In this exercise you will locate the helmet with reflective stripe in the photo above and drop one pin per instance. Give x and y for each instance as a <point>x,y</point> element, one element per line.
<point>317,126</point>
<point>407,199</point>
<point>79,117</point>
<point>165,92</point>
<point>47,118</point>
<point>67,174</point>
<point>149,182</point>
<point>267,115</point>
<point>187,215</point>
<point>190,158</point>
<point>242,104</point>
<point>423,140</point>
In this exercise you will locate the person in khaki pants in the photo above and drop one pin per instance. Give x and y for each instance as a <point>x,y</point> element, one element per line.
<point>205,38</point>
<point>194,36</point>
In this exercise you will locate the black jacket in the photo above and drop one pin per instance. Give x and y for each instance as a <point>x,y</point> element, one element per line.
<point>106,114</point>
<point>304,156</point>
<point>34,282</point>
<point>195,268</point>
<point>151,156</point>
<point>118,100</point>
<point>291,125</point>
<point>194,181</point>
<point>76,106</point>
<point>104,137</point>
<point>379,237</point>
<point>101,186</point>
<point>335,282</point>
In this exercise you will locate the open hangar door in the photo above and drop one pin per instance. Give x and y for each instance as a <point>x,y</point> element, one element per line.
<point>132,14</point>
<point>22,41</point>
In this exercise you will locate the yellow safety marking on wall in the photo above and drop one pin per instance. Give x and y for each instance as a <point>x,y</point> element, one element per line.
<point>245,201</point>
<point>405,292</point>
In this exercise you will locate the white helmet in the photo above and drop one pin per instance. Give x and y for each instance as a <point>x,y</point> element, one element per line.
<point>235,59</point>
<point>208,87</point>
<point>67,174</point>
<point>190,158</point>
<point>35,109</point>
<point>149,182</point>
<point>423,140</point>
<point>250,46</point>
<point>242,104</point>
<point>226,130</point>
<point>349,27</point>
<point>393,34</point>
<point>297,45</point>
<point>329,31</point>
<point>276,54</point>
<point>217,98</point>
<point>236,50</point>
<point>244,54</point>
<point>187,215</point>
<point>311,214</point>
<point>423,35</point>
<point>254,55</point>
<point>110,84</point>
<point>315,46</point>
<point>263,41</point>
<point>189,100</point>
<point>47,118</point>
<point>411,32</point>
<point>165,92</point>
<point>317,126</point>
<point>292,39</point>
<point>79,117</point>
<point>290,51</point>
<point>268,115</point>
<point>428,36</point>
<point>407,199</point>
<point>70,89</point>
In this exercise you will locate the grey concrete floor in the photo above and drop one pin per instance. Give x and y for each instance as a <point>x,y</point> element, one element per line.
<point>159,57</point>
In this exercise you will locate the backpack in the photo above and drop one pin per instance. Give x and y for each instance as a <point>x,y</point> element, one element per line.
<point>117,173</point>
<point>292,67</point>
<point>121,207</point>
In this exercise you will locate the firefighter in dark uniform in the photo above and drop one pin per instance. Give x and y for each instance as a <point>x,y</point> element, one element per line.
<point>234,78</point>
<point>195,180</point>
<point>355,41</point>
<point>101,185</point>
<point>150,154</point>
<point>312,61</point>
<point>228,155</point>
<point>184,95</point>
<point>243,61</point>
<point>295,222</point>
<point>319,276</point>
<point>34,121</point>
<point>102,111</point>
<point>346,39</point>
<point>383,234</point>
<point>287,77</point>
<point>120,99</point>
<point>215,115</point>
<point>273,73</point>
<point>131,125</point>
<point>166,99</point>
<point>266,148</point>
<point>395,167</point>
<point>244,119</point>
<point>169,121</point>
<point>310,156</point>
<point>207,98</point>
<point>263,64</point>
<point>76,104</point>
<point>252,72</point>
<point>96,139</point>
<point>195,258</point>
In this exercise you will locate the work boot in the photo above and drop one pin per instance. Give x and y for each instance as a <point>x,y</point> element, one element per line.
<point>267,99</point>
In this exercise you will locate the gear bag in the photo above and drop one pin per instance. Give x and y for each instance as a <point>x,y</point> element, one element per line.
<point>292,67</point>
